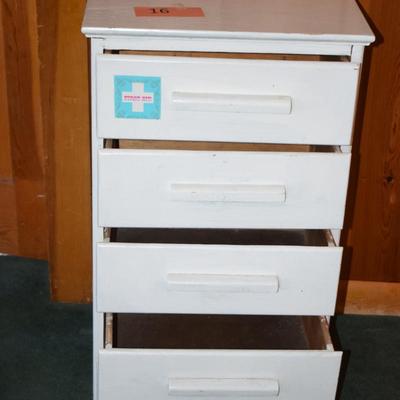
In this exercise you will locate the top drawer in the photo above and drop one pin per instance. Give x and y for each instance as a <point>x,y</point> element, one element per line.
<point>183,98</point>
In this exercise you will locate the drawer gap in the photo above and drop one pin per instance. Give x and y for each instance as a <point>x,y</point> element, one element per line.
<point>247,332</point>
<point>270,237</point>
<point>317,332</point>
<point>247,56</point>
<point>215,146</point>
<point>108,330</point>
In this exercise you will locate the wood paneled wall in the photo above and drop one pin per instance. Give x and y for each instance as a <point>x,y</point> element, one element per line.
<point>23,202</point>
<point>63,52</point>
<point>373,215</point>
<point>44,153</point>
<point>45,141</point>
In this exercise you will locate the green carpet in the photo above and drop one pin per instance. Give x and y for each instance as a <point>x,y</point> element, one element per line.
<point>371,360</point>
<point>46,347</point>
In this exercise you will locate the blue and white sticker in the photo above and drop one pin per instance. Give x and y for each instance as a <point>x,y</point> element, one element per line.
<point>137,96</point>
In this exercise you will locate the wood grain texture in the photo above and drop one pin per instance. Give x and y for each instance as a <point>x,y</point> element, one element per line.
<point>5,147</point>
<point>25,136</point>
<point>205,331</point>
<point>8,211</point>
<point>65,102</point>
<point>8,218</point>
<point>373,215</point>
<point>369,298</point>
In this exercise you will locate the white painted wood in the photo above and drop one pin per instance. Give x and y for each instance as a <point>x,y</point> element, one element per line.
<point>357,54</point>
<point>228,193</point>
<point>229,45</point>
<point>222,387</point>
<point>345,149</point>
<point>221,100</point>
<point>135,189</point>
<point>312,20</point>
<point>239,103</point>
<point>217,279</point>
<point>97,231</point>
<point>217,283</point>
<point>336,233</point>
<point>234,100</point>
<point>147,374</point>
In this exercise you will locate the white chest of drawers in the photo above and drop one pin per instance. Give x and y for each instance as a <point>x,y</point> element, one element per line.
<point>221,137</point>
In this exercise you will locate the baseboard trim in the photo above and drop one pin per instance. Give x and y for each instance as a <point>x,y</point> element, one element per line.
<point>369,298</point>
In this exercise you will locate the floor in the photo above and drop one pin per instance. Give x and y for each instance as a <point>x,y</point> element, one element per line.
<point>46,347</point>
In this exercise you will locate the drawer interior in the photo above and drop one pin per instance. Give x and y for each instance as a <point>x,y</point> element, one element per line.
<point>248,56</point>
<point>266,237</point>
<point>186,331</point>
<point>215,146</point>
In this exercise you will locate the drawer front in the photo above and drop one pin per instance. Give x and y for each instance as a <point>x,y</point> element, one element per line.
<point>217,279</point>
<point>146,188</point>
<point>237,374</point>
<point>177,98</point>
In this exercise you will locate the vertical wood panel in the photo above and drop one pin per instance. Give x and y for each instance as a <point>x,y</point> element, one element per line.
<point>21,65</point>
<point>374,217</point>
<point>8,212</point>
<point>65,102</point>
<point>5,147</point>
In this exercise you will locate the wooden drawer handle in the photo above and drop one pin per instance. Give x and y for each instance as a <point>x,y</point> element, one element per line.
<point>229,193</point>
<point>234,283</point>
<point>239,103</point>
<point>202,387</point>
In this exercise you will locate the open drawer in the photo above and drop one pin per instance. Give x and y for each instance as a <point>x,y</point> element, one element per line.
<point>222,189</point>
<point>240,357</point>
<point>288,272</point>
<point>215,99</point>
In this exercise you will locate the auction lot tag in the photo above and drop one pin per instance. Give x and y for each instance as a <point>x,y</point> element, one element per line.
<point>169,12</point>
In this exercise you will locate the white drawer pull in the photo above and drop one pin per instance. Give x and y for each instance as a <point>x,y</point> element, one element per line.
<point>239,103</point>
<point>234,283</point>
<point>247,193</point>
<point>202,387</point>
